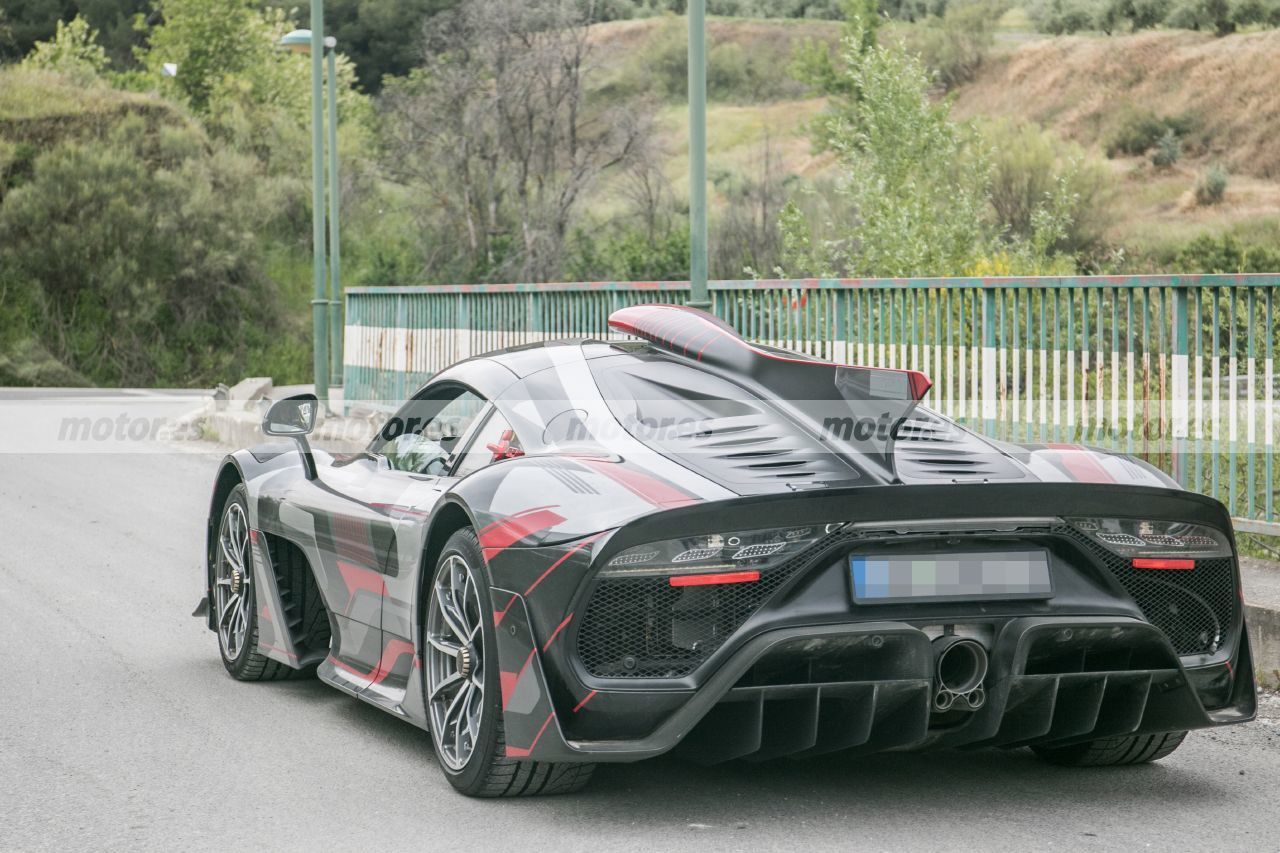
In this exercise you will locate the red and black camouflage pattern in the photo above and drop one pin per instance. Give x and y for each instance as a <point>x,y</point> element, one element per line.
<point>547,520</point>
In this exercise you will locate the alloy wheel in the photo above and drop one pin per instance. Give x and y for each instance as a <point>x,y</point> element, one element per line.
<point>232,580</point>
<point>455,662</point>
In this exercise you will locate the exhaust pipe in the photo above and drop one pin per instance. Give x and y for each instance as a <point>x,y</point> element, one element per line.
<point>960,667</point>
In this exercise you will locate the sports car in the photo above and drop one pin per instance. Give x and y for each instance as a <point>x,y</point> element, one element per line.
<point>587,551</point>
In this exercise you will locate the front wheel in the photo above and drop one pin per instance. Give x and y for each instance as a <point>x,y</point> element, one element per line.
<point>234,599</point>
<point>1113,751</point>
<point>463,694</point>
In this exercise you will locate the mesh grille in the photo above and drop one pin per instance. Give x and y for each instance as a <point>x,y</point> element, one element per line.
<point>645,628</point>
<point>1195,609</point>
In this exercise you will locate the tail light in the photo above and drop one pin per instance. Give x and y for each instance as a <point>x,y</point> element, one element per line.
<point>1155,544</point>
<point>716,553</point>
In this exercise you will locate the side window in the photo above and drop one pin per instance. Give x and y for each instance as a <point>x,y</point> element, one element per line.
<point>422,437</point>
<point>493,442</point>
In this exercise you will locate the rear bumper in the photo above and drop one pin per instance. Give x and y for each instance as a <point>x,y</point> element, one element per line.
<point>810,669</point>
<point>733,715</point>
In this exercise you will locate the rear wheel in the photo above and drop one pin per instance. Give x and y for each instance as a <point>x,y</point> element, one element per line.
<point>463,696</point>
<point>1113,752</point>
<point>234,601</point>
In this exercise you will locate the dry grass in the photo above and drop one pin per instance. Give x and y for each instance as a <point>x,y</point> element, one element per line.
<point>1157,209</point>
<point>1082,85</point>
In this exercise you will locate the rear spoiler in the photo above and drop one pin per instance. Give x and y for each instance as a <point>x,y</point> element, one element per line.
<point>705,338</point>
<point>855,410</point>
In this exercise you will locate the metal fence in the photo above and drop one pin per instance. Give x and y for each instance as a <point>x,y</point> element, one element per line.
<point>1178,370</point>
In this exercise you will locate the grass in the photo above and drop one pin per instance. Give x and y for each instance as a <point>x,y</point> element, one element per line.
<point>1079,86</point>
<point>736,139</point>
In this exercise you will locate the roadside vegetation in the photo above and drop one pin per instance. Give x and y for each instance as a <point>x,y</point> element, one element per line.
<point>155,229</point>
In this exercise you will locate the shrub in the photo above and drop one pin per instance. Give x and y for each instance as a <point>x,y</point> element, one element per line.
<point>914,191</point>
<point>733,74</point>
<point>629,254</point>
<point>132,269</point>
<point>1212,15</point>
<point>1063,17</point>
<point>1032,168</point>
<point>1211,186</point>
<point>1225,254</point>
<point>1168,150</point>
<point>1138,131</point>
<point>954,46</point>
<point>74,51</point>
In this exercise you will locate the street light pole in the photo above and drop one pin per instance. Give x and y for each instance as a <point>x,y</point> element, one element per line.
<point>335,253</point>
<point>698,295</point>
<point>319,304</point>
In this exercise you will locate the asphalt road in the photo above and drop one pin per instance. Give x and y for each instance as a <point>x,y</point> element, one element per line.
<point>119,728</point>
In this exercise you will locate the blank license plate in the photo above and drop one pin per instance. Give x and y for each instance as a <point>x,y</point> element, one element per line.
<point>944,577</point>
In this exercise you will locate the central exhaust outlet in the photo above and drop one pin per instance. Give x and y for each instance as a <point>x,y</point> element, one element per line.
<point>960,667</point>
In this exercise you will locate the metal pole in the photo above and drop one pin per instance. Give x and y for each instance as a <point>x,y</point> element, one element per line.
<point>698,296</point>
<point>335,254</point>
<point>319,304</point>
<point>1181,386</point>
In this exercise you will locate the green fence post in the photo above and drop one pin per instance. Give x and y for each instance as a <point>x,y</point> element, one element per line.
<point>1181,387</point>
<point>989,389</point>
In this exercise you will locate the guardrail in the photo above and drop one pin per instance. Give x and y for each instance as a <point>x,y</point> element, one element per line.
<point>1178,370</point>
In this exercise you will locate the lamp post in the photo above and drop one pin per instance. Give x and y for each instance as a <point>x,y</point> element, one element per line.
<point>313,42</point>
<point>698,295</point>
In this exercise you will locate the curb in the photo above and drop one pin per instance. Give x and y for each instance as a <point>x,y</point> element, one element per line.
<point>1263,624</point>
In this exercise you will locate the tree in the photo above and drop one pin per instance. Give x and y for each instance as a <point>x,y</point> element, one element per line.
<point>73,51</point>
<point>32,21</point>
<point>914,180</point>
<point>915,186</point>
<point>382,37</point>
<point>495,132</point>
<point>133,258</point>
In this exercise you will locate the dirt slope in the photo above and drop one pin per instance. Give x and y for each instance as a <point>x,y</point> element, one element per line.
<point>1083,85</point>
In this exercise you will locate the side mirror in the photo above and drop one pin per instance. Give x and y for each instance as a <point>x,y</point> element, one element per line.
<point>292,416</point>
<point>295,417</point>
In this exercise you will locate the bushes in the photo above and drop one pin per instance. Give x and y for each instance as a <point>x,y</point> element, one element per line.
<point>953,46</point>
<point>73,51</point>
<point>1218,16</point>
<point>1211,186</point>
<point>733,73</point>
<point>629,254</point>
<point>135,259</point>
<point>915,191</point>
<point>1030,169</point>
<point>1168,150</point>
<point>1225,254</point>
<point>828,9</point>
<point>1138,131</point>
<point>1063,17</point>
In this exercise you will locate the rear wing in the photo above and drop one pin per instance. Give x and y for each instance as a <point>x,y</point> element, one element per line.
<point>855,410</point>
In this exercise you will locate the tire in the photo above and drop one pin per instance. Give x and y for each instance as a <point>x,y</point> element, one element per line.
<point>233,599</point>
<point>474,759</point>
<point>1113,752</point>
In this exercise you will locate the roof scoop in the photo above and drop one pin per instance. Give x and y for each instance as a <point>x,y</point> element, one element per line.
<point>700,336</point>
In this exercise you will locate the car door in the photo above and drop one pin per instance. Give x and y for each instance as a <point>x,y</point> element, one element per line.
<point>415,454</point>
<point>489,439</point>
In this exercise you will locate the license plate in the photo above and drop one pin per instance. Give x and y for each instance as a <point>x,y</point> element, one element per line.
<point>884,579</point>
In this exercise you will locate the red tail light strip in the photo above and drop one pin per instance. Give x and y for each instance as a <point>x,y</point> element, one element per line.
<point>715,580</point>
<point>1151,563</point>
